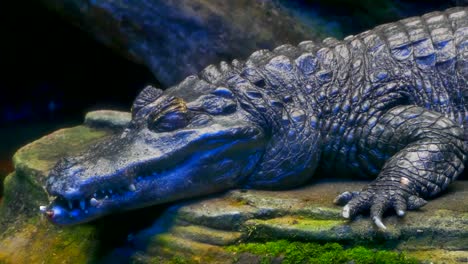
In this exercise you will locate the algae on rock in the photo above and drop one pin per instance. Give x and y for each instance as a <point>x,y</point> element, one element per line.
<point>25,235</point>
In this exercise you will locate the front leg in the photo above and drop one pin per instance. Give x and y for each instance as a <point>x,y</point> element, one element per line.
<point>428,154</point>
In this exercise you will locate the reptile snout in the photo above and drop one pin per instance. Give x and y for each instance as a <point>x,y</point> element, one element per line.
<point>63,177</point>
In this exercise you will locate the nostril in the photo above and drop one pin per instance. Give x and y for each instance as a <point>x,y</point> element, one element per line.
<point>73,171</point>
<point>50,213</point>
<point>66,163</point>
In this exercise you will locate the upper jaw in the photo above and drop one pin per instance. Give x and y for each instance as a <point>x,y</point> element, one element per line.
<point>80,180</point>
<point>100,191</point>
<point>83,208</point>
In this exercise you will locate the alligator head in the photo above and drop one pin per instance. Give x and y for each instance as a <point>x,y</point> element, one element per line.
<point>179,144</point>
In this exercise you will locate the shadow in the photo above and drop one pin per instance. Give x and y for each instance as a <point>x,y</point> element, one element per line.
<point>53,72</point>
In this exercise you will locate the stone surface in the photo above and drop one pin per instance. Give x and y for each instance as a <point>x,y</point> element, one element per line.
<point>177,38</point>
<point>439,231</point>
<point>25,236</point>
<point>108,119</point>
<point>198,230</point>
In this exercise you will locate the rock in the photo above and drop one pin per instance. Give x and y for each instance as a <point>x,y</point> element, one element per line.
<point>175,39</point>
<point>439,230</point>
<point>108,119</point>
<point>199,230</point>
<point>25,236</point>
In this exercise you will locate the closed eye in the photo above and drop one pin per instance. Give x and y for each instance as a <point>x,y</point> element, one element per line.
<point>171,117</point>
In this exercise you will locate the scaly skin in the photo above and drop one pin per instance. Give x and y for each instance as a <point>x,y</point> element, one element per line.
<point>387,103</point>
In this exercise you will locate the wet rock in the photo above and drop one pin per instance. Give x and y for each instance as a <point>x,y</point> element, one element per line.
<point>177,38</point>
<point>199,230</point>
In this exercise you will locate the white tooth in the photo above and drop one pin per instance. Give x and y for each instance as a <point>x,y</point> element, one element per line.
<point>93,202</point>
<point>132,187</point>
<point>42,208</point>
<point>70,204</point>
<point>82,204</point>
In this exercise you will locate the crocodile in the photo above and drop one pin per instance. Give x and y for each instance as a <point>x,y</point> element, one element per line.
<point>388,104</point>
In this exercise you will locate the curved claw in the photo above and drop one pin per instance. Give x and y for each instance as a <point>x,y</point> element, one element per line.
<point>378,222</point>
<point>377,210</point>
<point>345,212</point>
<point>400,213</point>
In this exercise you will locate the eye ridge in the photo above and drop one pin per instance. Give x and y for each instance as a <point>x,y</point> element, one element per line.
<point>174,115</point>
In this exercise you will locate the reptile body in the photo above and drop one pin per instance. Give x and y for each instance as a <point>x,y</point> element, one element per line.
<point>389,103</point>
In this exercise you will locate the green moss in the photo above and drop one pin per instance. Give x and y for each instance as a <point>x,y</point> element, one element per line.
<point>37,241</point>
<point>171,247</point>
<point>301,252</point>
<point>37,158</point>
<point>21,199</point>
<point>179,260</point>
<point>206,235</point>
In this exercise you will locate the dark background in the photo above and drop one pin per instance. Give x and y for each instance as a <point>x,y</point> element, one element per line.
<point>51,73</point>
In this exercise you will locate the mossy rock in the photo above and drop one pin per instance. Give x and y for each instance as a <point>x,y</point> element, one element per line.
<point>25,235</point>
<point>23,190</point>
<point>37,241</point>
<point>438,232</point>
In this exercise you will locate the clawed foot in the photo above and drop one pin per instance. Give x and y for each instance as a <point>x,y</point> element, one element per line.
<point>378,201</point>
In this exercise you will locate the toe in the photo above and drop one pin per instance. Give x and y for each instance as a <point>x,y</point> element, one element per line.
<point>357,204</point>
<point>345,197</point>
<point>415,202</point>
<point>400,206</point>
<point>378,208</point>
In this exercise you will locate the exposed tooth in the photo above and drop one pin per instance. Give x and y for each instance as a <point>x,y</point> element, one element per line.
<point>70,204</point>
<point>93,202</point>
<point>132,187</point>
<point>82,204</point>
<point>43,208</point>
